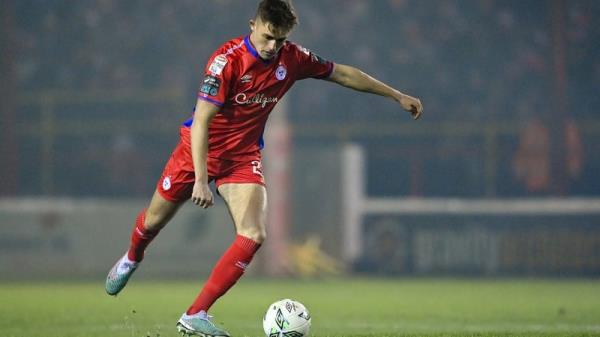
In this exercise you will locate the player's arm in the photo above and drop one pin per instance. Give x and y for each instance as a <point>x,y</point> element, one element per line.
<point>353,78</point>
<point>205,111</point>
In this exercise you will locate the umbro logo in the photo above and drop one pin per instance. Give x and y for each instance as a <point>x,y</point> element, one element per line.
<point>246,78</point>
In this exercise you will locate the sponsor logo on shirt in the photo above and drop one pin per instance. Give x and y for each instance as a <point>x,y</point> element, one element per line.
<point>261,99</point>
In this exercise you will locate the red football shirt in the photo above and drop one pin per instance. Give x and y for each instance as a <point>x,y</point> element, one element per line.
<point>246,87</point>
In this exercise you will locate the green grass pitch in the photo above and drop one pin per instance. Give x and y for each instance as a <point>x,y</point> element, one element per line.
<point>355,307</point>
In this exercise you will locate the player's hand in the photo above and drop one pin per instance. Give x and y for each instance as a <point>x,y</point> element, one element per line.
<point>412,105</point>
<point>202,195</point>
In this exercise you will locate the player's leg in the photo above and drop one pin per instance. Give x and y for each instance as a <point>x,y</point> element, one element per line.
<point>247,206</point>
<point>148,224</point>
<point>247,203</point>
<point>172,190</point>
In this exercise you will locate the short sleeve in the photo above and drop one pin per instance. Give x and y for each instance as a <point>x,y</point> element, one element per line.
<point>216,82</point>
<point>311,65</point>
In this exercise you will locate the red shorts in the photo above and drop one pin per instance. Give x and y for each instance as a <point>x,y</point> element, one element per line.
<point>177,180</point>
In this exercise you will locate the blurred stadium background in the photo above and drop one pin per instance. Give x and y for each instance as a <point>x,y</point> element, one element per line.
<point>500,177</point>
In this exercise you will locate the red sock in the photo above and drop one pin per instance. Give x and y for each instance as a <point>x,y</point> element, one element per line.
<point>140,238</point>
<point>226,272</point>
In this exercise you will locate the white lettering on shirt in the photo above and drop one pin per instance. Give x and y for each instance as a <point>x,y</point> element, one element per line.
<point>257,99</point>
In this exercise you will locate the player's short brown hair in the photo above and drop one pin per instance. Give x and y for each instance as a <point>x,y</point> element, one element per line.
<point>279,13</point>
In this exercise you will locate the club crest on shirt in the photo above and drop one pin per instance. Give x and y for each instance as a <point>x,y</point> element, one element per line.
<point>217,65</point>
<point>281,72</point>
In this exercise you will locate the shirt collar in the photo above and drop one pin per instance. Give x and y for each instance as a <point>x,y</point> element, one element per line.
<point>253,51</point>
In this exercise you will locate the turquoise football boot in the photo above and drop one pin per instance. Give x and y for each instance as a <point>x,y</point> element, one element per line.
<point>199,325</point>
<point>119,275</point>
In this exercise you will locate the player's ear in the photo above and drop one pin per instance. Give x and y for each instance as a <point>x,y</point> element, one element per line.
<point>252,25</point>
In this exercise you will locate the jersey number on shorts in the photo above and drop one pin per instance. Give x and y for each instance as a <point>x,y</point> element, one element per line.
<point>257,167</point>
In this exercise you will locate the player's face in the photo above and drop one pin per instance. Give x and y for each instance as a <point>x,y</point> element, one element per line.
<point>267,39</point>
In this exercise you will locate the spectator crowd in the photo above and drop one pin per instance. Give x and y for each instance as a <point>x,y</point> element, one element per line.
<point>476,61</point>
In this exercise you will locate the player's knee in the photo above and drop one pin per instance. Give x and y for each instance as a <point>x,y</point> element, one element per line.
<point>260,237</point>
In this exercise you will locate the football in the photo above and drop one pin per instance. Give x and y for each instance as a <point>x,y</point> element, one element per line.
<point>286,318</point>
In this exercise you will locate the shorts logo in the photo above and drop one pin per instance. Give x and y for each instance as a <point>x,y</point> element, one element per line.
<point>281,72</point>
<point>166,184</point>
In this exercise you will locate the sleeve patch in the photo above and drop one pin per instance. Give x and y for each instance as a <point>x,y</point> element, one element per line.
<point>210,85</point>
<point>217,65</point>
<point>317,58</point>
<point>314,57</point>
<point>302,49</point>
